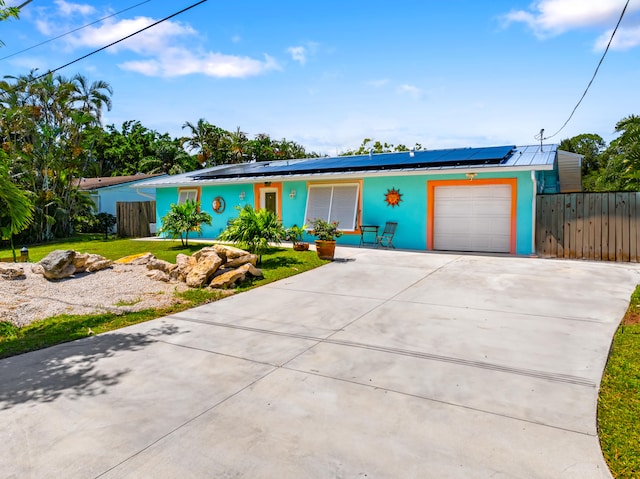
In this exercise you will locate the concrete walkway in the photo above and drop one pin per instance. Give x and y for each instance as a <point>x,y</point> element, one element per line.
<point>384,364</point>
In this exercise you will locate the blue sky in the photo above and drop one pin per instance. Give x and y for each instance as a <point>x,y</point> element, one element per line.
<point>462,73</point>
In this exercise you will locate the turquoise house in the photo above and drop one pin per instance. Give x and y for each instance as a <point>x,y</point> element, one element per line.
<point>463,199</point>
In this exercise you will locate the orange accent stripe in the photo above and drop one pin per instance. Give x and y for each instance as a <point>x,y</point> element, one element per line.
<point>432,185</point>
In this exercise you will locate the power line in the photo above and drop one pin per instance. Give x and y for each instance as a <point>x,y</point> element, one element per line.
<point>539,136</point>
<point>122,39</point>
<point>72,31</point>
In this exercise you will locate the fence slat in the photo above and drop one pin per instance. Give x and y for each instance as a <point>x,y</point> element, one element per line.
<point>612,227</point>
<point>559,225</point>
<point>597,226</point>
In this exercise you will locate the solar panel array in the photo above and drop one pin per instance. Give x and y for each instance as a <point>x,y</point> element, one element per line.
<point>388,161</point>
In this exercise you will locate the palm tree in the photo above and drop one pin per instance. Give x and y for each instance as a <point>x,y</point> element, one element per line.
<point>91,97</point>
<point>199,139</point>
<point>238,145</point>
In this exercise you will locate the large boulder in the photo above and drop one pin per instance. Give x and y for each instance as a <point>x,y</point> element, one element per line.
<point>58,264</point>
<point>203,271</point>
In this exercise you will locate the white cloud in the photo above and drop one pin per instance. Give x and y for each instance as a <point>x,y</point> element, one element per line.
<point>298,54</point>
<point>149,41</point>
<point>553,17</point>
<point>180,61</point>
<point>412,90</point>
<point>68,8</point>
<point>625,38</point>
<point>160,49</point>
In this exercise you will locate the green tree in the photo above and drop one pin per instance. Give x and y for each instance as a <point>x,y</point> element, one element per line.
<point>184,218</point>
<point>255,229</point>
<point>620,161</point>
<point>42,129</point>
<point>590,146</point>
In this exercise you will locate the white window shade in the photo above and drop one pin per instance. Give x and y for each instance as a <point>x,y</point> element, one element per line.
<point>185,195</point>
<point>334,203</point>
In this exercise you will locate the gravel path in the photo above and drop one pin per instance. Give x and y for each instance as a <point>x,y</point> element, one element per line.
<point>121,288</point>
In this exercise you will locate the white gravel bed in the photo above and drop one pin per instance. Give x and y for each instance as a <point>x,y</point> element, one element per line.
<point>121,288</point>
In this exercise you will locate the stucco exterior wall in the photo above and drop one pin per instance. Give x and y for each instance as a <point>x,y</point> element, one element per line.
<point>410,214</point>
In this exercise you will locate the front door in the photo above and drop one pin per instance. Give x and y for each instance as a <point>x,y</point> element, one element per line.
<point>269,197</point>
<point>270,202</point>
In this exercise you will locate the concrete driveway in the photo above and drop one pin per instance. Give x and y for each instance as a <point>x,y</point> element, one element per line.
<point>384,364</point>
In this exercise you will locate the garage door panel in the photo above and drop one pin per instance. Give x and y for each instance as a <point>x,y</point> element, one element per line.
<point>472,218</point>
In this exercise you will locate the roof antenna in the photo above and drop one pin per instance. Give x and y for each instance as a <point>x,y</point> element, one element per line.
<point>541,137</point>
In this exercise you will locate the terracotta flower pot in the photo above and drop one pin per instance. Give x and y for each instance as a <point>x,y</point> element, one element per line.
<point>301,246</point>
<point>325,249</point>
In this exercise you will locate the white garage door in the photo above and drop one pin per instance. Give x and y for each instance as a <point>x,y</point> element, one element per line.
<point>472,218</point>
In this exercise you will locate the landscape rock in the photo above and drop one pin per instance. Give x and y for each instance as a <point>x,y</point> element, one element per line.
<point>228,252</point>
<point>161,265</point>
<point>252,270</point>
<point>184,264</point>
<point>204,270</point>
<point>58,264</point>
<point>158,275</point>
<point>240,260</point>
<point>90,263</point>
<point>11,271</point>
<point>227,279</point>
<point>140,258</point>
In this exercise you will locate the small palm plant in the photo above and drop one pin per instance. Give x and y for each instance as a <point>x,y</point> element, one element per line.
<point>184,218</point>
<point>254,229</point>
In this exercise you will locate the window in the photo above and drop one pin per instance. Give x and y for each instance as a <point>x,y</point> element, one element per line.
<point>187,194</point>
<point>334,203</point>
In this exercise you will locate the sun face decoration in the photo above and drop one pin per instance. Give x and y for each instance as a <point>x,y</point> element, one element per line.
<point>393,197</point>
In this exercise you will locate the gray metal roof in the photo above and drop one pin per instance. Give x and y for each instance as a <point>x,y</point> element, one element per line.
<point>528,157</point>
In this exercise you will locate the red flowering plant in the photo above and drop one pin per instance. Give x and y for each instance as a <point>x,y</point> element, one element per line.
<point>325,230</point>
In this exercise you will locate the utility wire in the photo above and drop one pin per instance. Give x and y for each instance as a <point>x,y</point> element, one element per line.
<point>539,136</point>
<point>118,41</point>
<point>72,31</point>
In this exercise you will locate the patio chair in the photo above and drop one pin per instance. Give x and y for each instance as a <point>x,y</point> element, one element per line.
<point>385,240</point>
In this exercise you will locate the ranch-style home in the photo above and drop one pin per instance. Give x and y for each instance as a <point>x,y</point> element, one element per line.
<point>462,199</point>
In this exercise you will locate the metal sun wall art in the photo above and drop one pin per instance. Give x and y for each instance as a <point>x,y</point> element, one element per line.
<point>218,204</point>
<point>393,197</point>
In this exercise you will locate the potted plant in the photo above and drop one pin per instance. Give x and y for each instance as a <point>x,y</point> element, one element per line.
<point>326,233</point>
<point>296,235</point>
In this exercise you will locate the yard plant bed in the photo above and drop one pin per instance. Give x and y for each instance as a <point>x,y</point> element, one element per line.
<point>19,338</point>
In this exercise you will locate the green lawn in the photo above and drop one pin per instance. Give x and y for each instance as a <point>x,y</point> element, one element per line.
<point>619,400</point>
<point>277,263</point>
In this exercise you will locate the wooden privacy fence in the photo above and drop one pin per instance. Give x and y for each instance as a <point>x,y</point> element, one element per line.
<point>596,226</point>
<point>134,218</point>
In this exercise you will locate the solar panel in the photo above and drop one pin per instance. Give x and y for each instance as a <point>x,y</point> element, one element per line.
<point>385,161</point>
